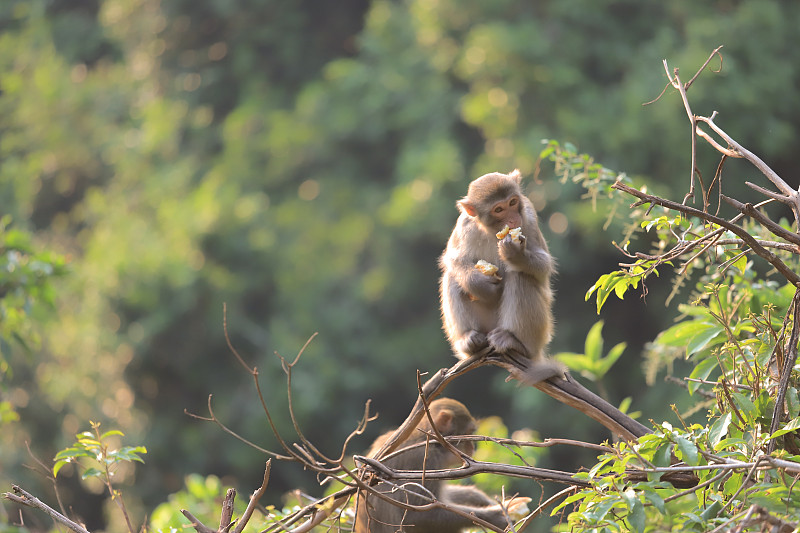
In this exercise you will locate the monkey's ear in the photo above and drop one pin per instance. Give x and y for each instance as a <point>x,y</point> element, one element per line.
<point>444,421</point>
<point>467,207</point>
<point>516,175</point>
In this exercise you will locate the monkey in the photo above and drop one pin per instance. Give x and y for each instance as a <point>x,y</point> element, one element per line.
<point>375,515</point>
<point>509,311</point>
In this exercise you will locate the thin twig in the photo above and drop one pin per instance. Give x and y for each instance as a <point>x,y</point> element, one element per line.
<point>251,505</point>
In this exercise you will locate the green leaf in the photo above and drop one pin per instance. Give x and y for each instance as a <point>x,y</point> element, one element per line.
<point>575,361</point>
<point>792,401</point>
<point>129,453</point>
<point>703,338</point>
<point>596,468</point>
<point>701,371</point>
<point>653,497</point>
<point>793,425</point>
<point>608,361</point>
<point>107,434</point>
<point>91,472</point>
<point>636,515</point>
<point>680,334</point>
<point>741,263</point>
<point>663,455</point>
<point>593,347</point>
<point>575,497</point>
<point>687,451</point>
<point>58,466</point>
<point>711,511</point>
<point>598,512</point>
<point>73,453</point>
<point>745,405</point>
<point>718,430</point>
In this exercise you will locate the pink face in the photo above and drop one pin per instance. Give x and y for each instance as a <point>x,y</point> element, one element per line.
<point>507,213</point>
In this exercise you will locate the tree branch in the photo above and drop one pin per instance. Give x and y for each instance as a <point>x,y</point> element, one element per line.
<point>23,497</point>
<point>771,258</point>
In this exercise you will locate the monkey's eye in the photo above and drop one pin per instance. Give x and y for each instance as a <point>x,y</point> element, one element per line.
<point>513,202</point>
<point>498,209</point>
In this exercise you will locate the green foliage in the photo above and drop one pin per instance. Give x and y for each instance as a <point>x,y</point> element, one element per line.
<point>494,427</point>
<point>591,364</point>
<point>202,496</point>
<point>729,335</point>
<point>26,282</point>
<point>26,292</point>
<point>95,449</point>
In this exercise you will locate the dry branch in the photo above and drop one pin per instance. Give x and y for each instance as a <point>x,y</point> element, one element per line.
<point>23,497</point>
<point>472,468</point>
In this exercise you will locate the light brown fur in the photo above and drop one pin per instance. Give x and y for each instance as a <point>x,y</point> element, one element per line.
<point>515,315</point>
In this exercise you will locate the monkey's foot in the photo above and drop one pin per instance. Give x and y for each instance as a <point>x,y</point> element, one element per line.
<point>471,343</point>
<point>506,343</point>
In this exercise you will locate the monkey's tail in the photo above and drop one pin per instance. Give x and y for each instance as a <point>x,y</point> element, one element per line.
<point>532,372</point>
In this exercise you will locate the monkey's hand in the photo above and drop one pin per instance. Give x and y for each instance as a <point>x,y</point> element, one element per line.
<point>520,257</point>
<point>483,288</point>
<point>512,251</point>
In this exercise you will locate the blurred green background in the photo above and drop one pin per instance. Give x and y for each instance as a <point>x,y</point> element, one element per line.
<point>300,162</point>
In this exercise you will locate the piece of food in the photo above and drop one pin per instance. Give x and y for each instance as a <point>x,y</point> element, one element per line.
<point>515,233</point>
<point>486,268</point>
<point>502,233</point>
<point>517,507</point>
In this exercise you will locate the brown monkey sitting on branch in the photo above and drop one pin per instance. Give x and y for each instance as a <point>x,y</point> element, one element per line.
<point>376,515</point>
<point>507,309</point>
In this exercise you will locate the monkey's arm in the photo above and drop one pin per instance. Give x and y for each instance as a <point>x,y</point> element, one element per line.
<point>460,273</point>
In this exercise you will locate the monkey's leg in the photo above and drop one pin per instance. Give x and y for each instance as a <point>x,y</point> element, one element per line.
<point>525,327</point>
<point>464,320</point>
<point>505,342</point>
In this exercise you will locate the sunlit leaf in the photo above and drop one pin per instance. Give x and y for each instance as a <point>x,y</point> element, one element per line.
<point>91,472</point>
<point>719,429</point>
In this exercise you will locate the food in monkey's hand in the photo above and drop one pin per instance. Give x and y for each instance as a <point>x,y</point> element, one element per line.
<point>515,233</point>
<point>517,507</point>
<point>486,268</point>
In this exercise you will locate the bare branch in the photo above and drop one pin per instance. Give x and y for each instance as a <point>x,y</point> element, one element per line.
<point>790,196</point>
<point>251,506</point>
<point>196,523</point>
<point>702,68</point>
<point>23,497</point>
<point>226,516</point>
<point>764,220</point>
<point>474,467</point>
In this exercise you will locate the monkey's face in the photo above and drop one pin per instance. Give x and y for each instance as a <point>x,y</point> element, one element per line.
<point>466,446</point>
<point>506,212</point>
<point>466,427</point>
